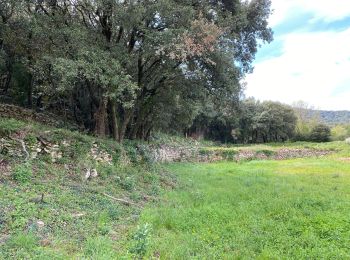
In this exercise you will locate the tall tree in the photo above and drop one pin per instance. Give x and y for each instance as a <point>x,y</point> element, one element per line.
<point>116,63</point>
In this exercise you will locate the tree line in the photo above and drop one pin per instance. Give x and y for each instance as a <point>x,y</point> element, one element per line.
<point>127,68</point>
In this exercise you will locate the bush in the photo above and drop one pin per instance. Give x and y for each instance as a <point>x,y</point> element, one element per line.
<point>229,154</point>
<point>339,133</point>
<point>320,133</point>
<point>141,240</point>
<point>267,153</point>
<point>22,173</point>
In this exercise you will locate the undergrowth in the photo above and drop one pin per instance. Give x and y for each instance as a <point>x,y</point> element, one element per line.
<point>50,210</point>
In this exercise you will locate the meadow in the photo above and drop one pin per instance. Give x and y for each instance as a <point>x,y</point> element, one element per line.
<point>288,209</point>
<point>135,208</point>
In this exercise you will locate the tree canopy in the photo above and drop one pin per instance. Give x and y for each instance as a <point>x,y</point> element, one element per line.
<point>125,67</point>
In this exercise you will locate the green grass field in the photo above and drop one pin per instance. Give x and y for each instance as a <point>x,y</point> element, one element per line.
<point>249,209</point>
<point>291,209</point>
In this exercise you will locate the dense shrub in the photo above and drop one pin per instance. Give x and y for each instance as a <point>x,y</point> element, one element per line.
<point>320,133</point>
<point>340,132</point>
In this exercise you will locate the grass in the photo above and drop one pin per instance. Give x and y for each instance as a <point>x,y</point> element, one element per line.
<point>293,209</point>
<point>296,208</point>
<point>48,210</point>
<point>79,220</point>
<point>271,147</point>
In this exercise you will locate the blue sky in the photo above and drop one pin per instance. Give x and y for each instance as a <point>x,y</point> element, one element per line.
<point>309,59</point>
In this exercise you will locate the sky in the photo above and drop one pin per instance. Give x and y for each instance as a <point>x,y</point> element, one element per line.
<point>309,59</point>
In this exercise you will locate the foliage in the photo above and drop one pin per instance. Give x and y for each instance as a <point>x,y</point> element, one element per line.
<point>307,119</point>
<point>251,122</point>
<point>266,152</point>
<point>99,248</point>
<point>340,132</point>
<point>10,126</point>
<point>22,173</point>
<point>141,240</point>
<point>127,68</point>
<point>266,122</point>
<point>60,215</point>
<point>48,210</point>
<point>320,133</point>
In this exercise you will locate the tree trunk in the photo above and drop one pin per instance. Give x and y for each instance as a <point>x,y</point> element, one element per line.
<point>147,131</point>
<point>7,83</point>
<point>137,125</point>
<point>127,116</point>
<point>113,120</point>
<point>100,118</point>
<point>30,92</point>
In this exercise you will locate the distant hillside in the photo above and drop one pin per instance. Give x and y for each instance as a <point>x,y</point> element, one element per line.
<point>332,117</point>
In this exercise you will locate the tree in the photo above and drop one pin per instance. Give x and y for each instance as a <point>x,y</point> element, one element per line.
<point>340,132</point>
<point>320,133</point>
<point>266,122</point>
<point>307,119</point>
<point>119,68</point>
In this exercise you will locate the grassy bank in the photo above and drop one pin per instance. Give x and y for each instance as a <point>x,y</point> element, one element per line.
<point>67,195</point>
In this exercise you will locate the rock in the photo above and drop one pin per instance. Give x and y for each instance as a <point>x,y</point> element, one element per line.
<point>65,143</point>
<point>94,173</point>
<point>87,174</point>
<point>347,140</point>
<point>78,215</point>
<point>40,224</point>
<point>100,156</point>
<point>91,173</point>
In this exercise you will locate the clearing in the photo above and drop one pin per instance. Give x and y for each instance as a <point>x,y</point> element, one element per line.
<point>295,209</point>
<point>66,195</point>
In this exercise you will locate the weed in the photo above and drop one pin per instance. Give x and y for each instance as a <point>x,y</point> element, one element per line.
<point>265,152</point>
<point>145,153</point>
<point>99,248</point>
<point>141,240</point>
<point>229,154</point>
<point>9,126</point>
<point>132,154</point>
<point>127,183</point>
<point>22,173</point>
<point>204,152</point>
<point>23,241</point>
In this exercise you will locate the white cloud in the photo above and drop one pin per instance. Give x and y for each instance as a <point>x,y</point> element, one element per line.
<point>311,68</point>
<point>323,9</point>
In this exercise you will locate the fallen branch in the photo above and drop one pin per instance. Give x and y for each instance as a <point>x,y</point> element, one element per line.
<point>23,147</point>
<point>123,201</point>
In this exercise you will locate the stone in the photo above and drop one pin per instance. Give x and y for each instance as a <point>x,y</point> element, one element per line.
<point>87,174</point>
<point>94,173</point>
<point>40,224</point>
